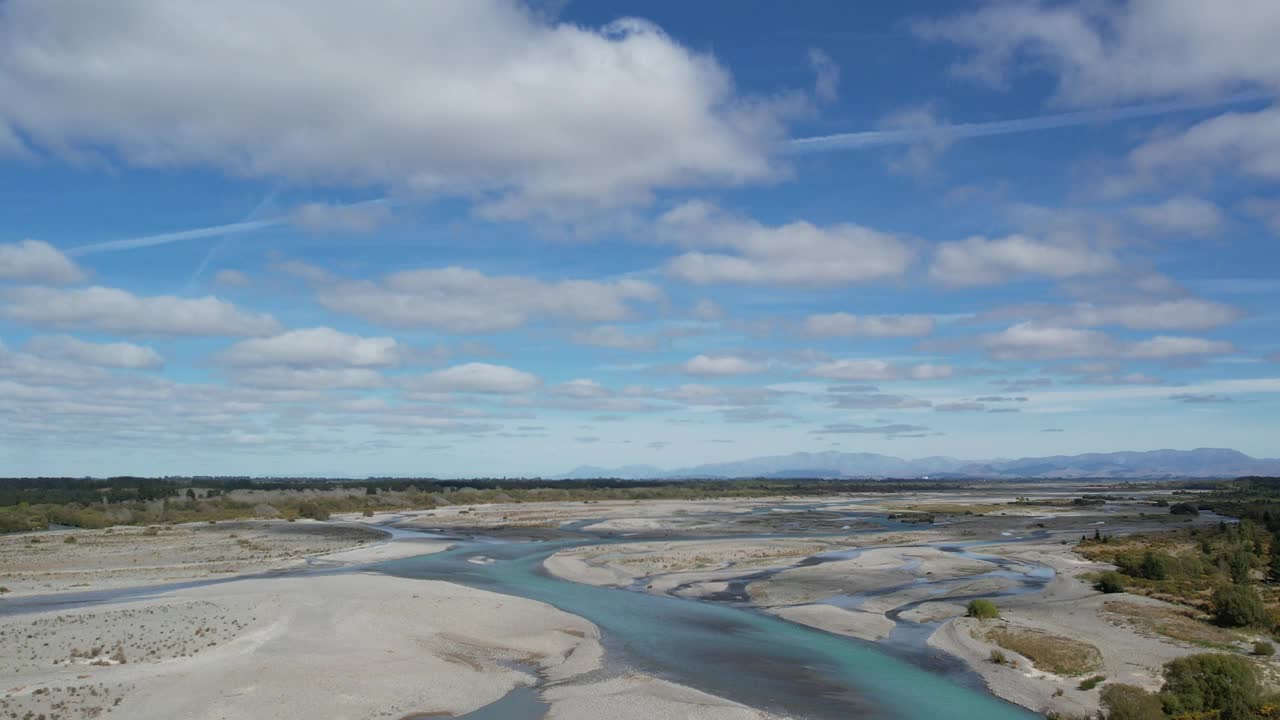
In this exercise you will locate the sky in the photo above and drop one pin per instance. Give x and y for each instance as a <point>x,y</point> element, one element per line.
<point>497,238</point>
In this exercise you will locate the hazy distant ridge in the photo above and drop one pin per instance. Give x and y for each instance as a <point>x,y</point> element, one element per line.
<point>1198,463</point>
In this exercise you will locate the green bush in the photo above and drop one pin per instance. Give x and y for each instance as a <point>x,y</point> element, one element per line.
<point>1238,606</point>
<point>1184,509</point>
<point>982,609</point>
<point>70,540</point>
<point>997,657</point>
<point>1129,702</point>
<point>1264,648</point>
<point>1211,682</point>
<point>1110,582</point>
<point>1093,682</point>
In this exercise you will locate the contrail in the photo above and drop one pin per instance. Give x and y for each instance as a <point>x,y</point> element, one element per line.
<point>234,228</point>
<point>208,256</point>
<point>960,131</point>
<point>166,238</point>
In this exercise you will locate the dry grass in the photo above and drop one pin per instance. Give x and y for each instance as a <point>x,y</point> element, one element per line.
<point>1050,653</point>
<point>1180,625</point>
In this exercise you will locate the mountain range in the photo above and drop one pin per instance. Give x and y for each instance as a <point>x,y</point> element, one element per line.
<point>1152,464</point>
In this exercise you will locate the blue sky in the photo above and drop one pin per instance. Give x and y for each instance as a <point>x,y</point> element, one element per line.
<point>494,238</point>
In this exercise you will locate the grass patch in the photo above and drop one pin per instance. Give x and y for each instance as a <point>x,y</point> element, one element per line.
<point>1172,623</point>
<point>1047,652</point>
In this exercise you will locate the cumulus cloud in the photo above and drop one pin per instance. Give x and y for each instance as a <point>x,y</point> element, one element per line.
<point>964,406</point>
<point>111,355</point>
<point>354,218</point>
<point>477,97</point>
<point>478,378</point>
<point>721,366</point>
<point>843,324</point>
<point>1033,341</point>
<point>1108,52</point>
<point>309,378</point>
<point>1181,215</point>
<point>35,261</point>
<point>1185,313</point>
<point>1247,142</point>
<point>861,370</point>
<point>112,310</point>
<point>468,301</point>
<point>231,278</point>
<point>311,347</point>
<point>982,261</point>
<point>798,253</point>
<point>869,397</point>
<point>582,388</point>
<point>826,75</point>
<point>889,429</point>
<point>1266,210</point>
<point>1166,346</point>
<point>719,396</point>
<point>1200,398</point>
<point>616,338</point>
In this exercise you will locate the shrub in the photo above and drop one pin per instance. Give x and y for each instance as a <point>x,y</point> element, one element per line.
<point>1093,682</point>
<point>151,531</point>
<point>1155,566</point>
<point>1210,682</point>
<point>982,609</point>
<point>1238,606</point>
<point>70,540</point>
<point>3,589</point>
<point>1263,648</point>
<point>1184,509</point>
<point>1110,582</point>
<point>997,657</point>
<point>1129,702</point>
<point>312,510</point>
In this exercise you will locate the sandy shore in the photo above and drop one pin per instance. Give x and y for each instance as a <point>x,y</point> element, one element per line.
<point>352,645</point>
<point>76,560</point>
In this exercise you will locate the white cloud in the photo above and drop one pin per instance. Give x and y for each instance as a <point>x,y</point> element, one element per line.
<point>1179,314</point>
<point>826,75</point>
<point>581,389</point>
<point>478,378</point>
<point>1247,142</point>
<point>117,311</point>
<point>1181,215</point>
<point>354,218</point>
<point>231,278</point>
<point>1107,52</point>
<point>1165,346</point>
<point>719,396</point>
<point>982,261</point>
<point>707,310</point>
<point>467,301</point>
<point>312,378</point>
<point>1266,210</point>
<point>721,366</point>
<point>862,397</point>
<point>314,347</point>
<point>1032,341</point>
<point>35,261</point>
<point>1029,341</point>
<point>114,355</point>
<point>861,370</point>
<point>846,325</point>
<point>798,253</point>
<point>614,337</point>
<point>482,96</point>
<point>1186,313</point>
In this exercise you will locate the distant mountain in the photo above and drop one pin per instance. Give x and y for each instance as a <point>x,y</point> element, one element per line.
<point>1154,464</point>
